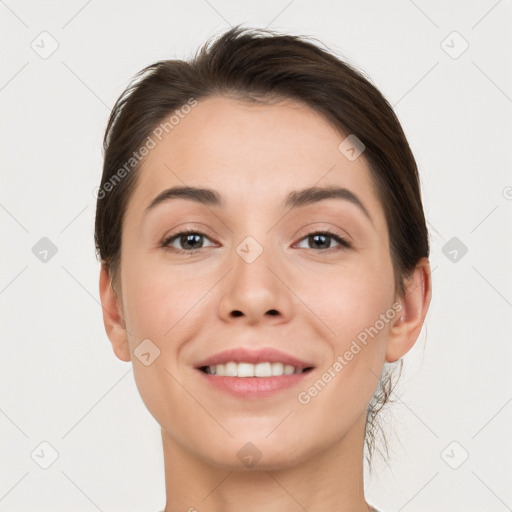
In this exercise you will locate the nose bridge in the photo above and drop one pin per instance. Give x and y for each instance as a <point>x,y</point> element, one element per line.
<point>252,276</point>
<point>253,290</point>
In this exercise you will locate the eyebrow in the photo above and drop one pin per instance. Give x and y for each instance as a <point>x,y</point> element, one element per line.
<point>311,195</point>
<point>295,199</point>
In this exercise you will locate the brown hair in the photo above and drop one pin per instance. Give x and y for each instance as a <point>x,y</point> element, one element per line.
<point>256,65</point>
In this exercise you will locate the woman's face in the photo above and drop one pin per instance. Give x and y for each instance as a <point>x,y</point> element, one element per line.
<point>263,267</point>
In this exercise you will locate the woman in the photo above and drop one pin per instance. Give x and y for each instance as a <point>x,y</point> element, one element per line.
<point>264,252</point>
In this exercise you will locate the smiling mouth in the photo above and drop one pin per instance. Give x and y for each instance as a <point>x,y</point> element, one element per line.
<point>247,370</point>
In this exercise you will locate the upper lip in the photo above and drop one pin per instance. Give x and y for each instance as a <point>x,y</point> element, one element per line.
<point>253,356</point>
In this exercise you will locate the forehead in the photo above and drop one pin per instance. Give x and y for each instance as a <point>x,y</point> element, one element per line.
<point>252,151</point>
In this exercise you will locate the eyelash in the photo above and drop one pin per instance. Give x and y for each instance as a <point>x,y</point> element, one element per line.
<point>343,243</point>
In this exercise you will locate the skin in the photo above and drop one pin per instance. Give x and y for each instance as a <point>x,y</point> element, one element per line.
<point>254,155</point>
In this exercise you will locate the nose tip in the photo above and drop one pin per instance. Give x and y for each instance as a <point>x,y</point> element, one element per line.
<point>253,292</point>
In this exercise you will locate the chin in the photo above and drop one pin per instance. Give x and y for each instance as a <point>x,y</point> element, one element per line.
<point>242,454</point>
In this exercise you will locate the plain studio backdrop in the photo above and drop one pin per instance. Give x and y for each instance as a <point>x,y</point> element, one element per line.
<point>75,434</point>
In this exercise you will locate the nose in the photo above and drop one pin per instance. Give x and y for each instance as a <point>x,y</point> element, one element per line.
<point>255,292</point>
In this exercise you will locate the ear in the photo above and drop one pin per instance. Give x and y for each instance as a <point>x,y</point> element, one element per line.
<point>404,331</point>
<point>115,326</point>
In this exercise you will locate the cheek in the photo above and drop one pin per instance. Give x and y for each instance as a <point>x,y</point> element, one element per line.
<point>357,308</point>
<point>161,305</point>
<point>352,299</point>
<point>159,301</point>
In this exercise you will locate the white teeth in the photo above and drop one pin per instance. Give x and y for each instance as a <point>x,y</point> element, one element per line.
<point>233,369</point>
<point>245,370</point>
<point>288,370</point>
<point>277,368</point>
<point>263,370</point>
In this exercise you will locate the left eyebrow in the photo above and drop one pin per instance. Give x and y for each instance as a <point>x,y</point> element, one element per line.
<point>311,195</point>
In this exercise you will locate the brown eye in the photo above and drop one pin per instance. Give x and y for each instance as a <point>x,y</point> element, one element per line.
<point>324,240</point>
<point>186,241</point>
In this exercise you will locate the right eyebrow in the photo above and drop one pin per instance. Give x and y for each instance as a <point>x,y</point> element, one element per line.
<point>200,195</point>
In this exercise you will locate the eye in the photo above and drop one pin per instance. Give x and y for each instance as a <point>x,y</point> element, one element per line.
<point>191,241</point>
<point>187,241</point>
<point>323,240</point>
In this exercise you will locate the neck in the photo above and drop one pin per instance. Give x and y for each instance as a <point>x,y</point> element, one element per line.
<point>330,481</point>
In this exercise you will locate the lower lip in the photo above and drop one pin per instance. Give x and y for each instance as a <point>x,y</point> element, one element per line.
<point>254,387</point>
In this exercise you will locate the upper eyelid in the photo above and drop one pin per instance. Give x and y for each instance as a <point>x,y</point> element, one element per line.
<point>342,234</point>
<point>342,240</point>
<point>170,238</point>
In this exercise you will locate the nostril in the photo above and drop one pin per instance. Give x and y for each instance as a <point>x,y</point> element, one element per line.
<point>271,312</point>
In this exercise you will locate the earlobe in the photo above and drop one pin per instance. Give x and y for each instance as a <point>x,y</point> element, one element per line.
<point>113,320</point>
<point>405,330</point>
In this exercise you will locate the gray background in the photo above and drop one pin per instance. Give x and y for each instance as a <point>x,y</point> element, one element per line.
<point>60,381</point>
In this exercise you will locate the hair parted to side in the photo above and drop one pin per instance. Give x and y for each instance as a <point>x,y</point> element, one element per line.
<point>261,65</point>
